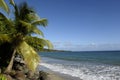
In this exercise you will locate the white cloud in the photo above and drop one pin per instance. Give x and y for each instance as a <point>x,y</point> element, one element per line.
<point>88,47</point>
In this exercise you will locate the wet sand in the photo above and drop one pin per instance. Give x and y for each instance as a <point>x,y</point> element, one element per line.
<point>57,76</point>
<point>52,76</point>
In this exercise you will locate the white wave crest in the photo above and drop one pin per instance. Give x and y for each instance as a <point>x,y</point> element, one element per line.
<point>91,72</point>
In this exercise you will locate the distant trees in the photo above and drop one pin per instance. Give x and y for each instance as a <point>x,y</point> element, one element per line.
<point>16,36</point>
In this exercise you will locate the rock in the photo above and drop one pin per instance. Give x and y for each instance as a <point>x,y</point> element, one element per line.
<point>21,72</point>
<point>9,77</point>
<point>42,75</point>
<point>30,74</point>
<point>18,67</point>
<point>20,75</point>
<point>12,73</point>
<point>19,63</point>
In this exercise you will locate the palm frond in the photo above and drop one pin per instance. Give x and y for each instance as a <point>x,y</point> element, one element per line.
<point>25,23</point>
<point>12,2</point>
<point>4,38</point>
<point>34,42</point>
<point>37,31</point>
<point>31,29</point>
<point>6,20</point>
<point>3,18</point>
<point>33,17</point>
<point>6,25</point>
<point>42,22</point>
<point>16,13</point>
<point>30,56</point>
<point>49,44</point>
<point>4,6</point>
<point>39,42</point>
<point>24,11</point>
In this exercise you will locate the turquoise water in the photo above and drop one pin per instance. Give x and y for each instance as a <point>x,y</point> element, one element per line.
<point>93,65</point>
<point>106,57</point>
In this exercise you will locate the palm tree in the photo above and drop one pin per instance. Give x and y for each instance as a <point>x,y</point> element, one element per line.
<point>5,6</point>
<point>18,33</point>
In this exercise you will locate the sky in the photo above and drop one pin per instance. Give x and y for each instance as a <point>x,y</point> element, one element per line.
<point>80,25</point>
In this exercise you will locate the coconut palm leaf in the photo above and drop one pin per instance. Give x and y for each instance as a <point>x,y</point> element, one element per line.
<point>3,18</point>
<point>33,17</point>
<point>30,56</point>
<point>34,42</point>
<point>38,41</point>
<point>25,11</point>
<point>12,2</point>
<point>49,44</point>
<point>42,22</point>
<point>37,31</point>
<point>31,29</point>
<point>4,6</point>
<point>6,25</point>
<point>4,38</point>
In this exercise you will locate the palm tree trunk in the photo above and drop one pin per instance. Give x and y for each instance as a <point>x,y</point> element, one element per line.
<point>10,65</point>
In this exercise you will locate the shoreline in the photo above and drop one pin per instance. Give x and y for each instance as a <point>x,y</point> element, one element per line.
<point>52,75</point>
<point>58,76</point>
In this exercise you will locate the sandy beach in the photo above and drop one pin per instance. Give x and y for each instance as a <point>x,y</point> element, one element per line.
<point>52,76</point>
<point>56,75</point>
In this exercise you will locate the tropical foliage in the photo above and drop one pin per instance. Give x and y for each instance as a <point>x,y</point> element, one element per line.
<point>3,77</point>
<point>4,6</point>
<point>17,33</point>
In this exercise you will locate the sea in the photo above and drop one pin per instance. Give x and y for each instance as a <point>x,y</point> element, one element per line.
<point>85,65</point>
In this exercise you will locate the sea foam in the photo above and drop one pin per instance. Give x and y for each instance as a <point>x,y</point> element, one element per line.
<point>86,71</point>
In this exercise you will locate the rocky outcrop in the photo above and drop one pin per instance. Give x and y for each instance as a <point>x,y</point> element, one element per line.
<point>21,72</point>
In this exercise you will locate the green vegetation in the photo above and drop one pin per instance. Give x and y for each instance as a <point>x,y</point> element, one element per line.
<point>16,36</point>
<point>3,77</point>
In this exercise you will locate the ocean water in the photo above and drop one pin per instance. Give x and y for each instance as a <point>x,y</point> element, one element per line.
<point>93,65</point>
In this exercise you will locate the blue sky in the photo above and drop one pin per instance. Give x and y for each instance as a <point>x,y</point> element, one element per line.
<point>80,25</point>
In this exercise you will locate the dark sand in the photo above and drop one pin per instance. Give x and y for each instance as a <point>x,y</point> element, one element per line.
<point>59,76</point>
<point>56,75</point>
